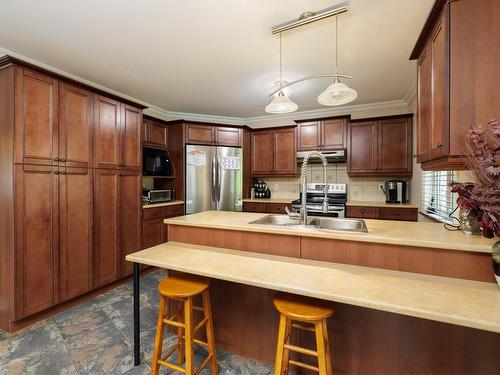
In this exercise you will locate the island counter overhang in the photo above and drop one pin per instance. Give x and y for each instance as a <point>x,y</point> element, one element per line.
<point>364,340</point>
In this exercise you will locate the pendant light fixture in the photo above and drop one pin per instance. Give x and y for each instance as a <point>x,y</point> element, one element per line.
<point>337,93</point>
<point>281,103</point>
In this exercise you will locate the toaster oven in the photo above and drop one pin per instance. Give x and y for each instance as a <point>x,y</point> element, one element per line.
<point>157,196</point>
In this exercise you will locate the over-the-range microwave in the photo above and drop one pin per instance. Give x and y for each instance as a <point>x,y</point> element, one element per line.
<point>156,163</point>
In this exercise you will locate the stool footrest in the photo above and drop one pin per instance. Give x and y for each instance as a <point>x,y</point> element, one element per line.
<point>200,324</point>
<point>198,308</point>
<point>174,323</point>
<point>304,328</point>
<point>301,350</point>
<point>172,366</point>
<point>304,365</point>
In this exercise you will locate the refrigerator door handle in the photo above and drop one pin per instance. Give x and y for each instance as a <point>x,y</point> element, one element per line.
<point>219,174</point>
<point>214,179</point>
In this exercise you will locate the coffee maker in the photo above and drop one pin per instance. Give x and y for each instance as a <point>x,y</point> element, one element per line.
<point>396,191</point>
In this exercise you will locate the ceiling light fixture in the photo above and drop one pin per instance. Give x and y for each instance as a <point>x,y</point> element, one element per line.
<point>337,93</point>
<point>281,103</point>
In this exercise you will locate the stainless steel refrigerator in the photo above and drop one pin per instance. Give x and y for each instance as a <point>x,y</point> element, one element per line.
<point>214,178</point>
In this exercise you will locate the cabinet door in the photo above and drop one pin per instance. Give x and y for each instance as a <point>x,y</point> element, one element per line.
<point>131,137</point>
<point>278,208</point>
<point>362,150</point>
<point>153,233</point>
<point>254,207</point>
<point>403,214</point>
<point>262,152</point>
<point>36,118</point>
<point>424,105</point>
<point>309,135</point>
<point>363,212</point>
<point>228,136</point>
<point>439,131</point>
<point>334,134</point>
<point>156,134</point>
<point>75,232</point>
<point>107,133</point>
<point>106,223</point>
<point>75,126</point>
<point>285,152</point>
<point>130,217</point>
<point>36,229</point>
<point>394,147</point>
<point>200,134</point>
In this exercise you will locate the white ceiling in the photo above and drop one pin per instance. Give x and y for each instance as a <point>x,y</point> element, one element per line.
<point>217,57</point>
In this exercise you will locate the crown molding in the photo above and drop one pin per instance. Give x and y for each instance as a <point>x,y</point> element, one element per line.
<point>171,115</point>
<point>398,106</point>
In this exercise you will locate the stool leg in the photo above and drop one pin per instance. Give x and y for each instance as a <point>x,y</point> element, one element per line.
<point>180,336</point>
<point>329,368</point>
<point>320,344</point>
<point>286,352</point>
<point>207,311</point>
<point>188,321</point>
<point>278,366</point>
<point>155,367</point>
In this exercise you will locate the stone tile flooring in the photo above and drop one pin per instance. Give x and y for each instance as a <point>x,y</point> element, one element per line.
<point>96,337</point>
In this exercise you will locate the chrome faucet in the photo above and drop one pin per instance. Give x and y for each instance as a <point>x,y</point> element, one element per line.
<point>303,178</point>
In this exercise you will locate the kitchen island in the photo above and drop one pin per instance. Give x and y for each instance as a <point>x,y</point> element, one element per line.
<point>366,338</point>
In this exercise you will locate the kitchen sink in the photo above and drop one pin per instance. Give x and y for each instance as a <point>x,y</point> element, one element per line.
<point>315,222</point>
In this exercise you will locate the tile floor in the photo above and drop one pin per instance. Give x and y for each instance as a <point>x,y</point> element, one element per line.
<point>96,337</point>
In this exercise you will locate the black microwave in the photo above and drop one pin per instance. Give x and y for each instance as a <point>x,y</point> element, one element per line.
<point>156,163</point>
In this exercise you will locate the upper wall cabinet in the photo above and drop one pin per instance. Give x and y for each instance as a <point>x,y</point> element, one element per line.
<point>205,134</point>
<point>117,134</point>
<point>322,134</point>
<point>457,73</point>
<point>155,133</point>
<point>274,152</point>
<point>380,147</point>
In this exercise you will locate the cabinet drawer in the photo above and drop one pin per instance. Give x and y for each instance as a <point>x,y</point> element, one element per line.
<point>278,208</point>
<point>407,214</point>
<point>163,212</point>
<point>254,207</point>
<point>363,212</point>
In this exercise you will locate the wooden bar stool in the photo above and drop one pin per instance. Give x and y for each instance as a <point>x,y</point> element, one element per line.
<point>312,315</point>
<point>184,288</point>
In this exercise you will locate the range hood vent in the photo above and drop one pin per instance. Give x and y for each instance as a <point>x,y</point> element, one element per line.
<point>335,156</point>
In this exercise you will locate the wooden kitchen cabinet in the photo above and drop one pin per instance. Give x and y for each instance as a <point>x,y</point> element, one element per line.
<point>384,213</point>
<point>75,126</point>
<point>36,114</point>
<point>322,134</point>
<point>75,232</point>
<point>266,207</point>
<point>228,136</point>
<point>458,40</point>
<point>274,152</point>
<point>131,144</point>
<point>154,230</point>
<point>36,231</point>
<point>254,207</point>
<point>200,134</point>
<point>362,212</point>
<point>380,147</point>
<point>155,133</point>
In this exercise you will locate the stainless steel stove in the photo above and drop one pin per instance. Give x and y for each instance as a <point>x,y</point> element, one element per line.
<point>337,199</point>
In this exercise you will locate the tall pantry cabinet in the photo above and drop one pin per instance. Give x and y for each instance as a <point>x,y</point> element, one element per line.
<point>70,181</point>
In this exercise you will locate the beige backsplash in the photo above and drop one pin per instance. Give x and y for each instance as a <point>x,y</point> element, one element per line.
<point>358,188</point>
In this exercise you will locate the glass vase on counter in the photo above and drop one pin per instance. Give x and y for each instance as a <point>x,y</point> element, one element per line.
<point>468,222</point>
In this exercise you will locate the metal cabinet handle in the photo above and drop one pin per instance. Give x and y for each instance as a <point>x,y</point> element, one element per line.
<point>56,172</point>
<point>56,159</point>
<point>62,160</point>
<point>440,145</point>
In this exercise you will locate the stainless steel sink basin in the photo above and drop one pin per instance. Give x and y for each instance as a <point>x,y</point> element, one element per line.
<point>318,223</point>
<point>349,225</point>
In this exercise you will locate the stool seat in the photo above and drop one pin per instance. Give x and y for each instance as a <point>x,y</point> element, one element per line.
<point>183,286</point>
<point>302,308</point>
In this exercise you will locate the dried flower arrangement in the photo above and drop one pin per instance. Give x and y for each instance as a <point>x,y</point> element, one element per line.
<point>482,198</point>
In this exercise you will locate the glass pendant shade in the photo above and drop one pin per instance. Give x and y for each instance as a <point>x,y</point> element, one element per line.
<point>337,94</point>
<point>281,104</point>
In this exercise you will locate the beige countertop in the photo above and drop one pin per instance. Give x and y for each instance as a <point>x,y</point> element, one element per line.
<point>269,200</point>
<point>467,303</point>
<point>422,234</point>
<point>380,204</point>
<point>162,204</point>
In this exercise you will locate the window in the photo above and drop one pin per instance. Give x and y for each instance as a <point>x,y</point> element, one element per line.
<point>437,199</point>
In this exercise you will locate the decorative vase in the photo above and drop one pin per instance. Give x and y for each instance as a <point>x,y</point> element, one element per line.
<point>495,253</point>
<point>468,223</point>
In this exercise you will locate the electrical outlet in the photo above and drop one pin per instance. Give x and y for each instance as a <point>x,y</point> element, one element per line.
<point>381,188</point>
<point>276,187</point>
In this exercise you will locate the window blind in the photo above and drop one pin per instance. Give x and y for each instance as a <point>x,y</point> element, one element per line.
<point>437,198</point>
